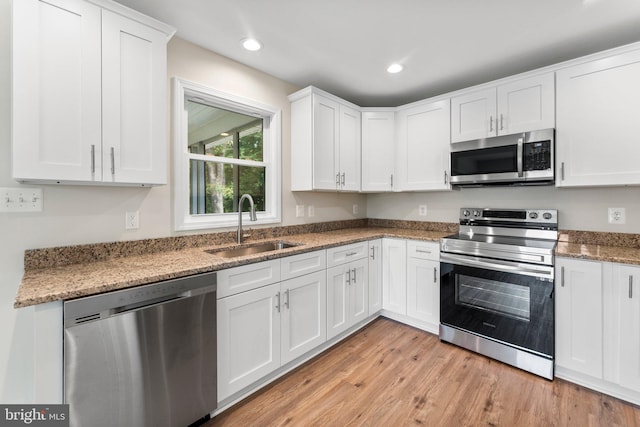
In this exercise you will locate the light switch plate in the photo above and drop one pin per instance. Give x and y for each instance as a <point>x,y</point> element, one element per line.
<point>299,211</point>
<point>422,210</point>
<point>20,199</point>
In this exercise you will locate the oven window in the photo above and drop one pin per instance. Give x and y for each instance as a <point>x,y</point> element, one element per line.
<point>504,298</point>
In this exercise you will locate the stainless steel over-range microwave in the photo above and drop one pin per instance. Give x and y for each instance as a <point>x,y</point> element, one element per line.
<point>518,159</point>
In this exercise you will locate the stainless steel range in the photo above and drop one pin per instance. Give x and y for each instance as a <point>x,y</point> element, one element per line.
<point>496,286</point>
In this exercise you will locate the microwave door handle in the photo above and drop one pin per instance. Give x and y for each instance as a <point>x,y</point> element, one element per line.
<point>520,156</point>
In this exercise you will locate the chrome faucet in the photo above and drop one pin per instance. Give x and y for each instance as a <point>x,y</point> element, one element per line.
<point>252,214</point>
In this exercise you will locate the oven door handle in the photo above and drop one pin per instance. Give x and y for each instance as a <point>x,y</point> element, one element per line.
<point>545,272</point>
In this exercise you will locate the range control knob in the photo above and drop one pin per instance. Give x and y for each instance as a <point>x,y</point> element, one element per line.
<point>476,213</point>
<point>533,215</point>
<point>466,213</point>
<point>546,215</point>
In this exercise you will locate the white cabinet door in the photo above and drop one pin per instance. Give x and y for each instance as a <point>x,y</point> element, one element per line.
<point>347,296</point>
<point>526,104</point>
<point>423,293</point>
<point>378,150</point>
<point>337,300</point>
<point>134,97</point>
<point>579,329</point>
<point>349,153</point>
<point>423,147</point>
<point>56,90</point>
<point>248,338</point>
<point>375,276</point>
<point>358,291</point>
<point>624,328</point>
<point>597,122</point>
<point>304,314</point>
<point>473,115</point>
<point>394,275</point>
<point>518,106</point>
<point>326,113</point>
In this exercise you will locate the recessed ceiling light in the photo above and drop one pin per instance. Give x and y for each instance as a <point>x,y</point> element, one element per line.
<point>395,68</point>
<point>251,44</point>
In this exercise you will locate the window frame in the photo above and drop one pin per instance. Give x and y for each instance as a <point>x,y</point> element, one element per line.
<point>272,144</point>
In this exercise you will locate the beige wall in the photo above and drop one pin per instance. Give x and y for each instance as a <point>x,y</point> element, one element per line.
<point>199,65</point>
<point>579,208</point>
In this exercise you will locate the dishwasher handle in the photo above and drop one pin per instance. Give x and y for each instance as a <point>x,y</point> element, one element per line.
<point>161,300</point>
<point>96,307</point>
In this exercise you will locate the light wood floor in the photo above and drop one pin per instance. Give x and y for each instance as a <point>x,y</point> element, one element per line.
<point>389,374</point>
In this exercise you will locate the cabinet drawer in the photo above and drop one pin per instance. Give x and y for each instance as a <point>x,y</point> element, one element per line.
<point>423,250</point>
<point>244,278</point>
<point>299,265</point>
<point>347,253</point>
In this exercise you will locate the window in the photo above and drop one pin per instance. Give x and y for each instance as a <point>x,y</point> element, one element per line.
<point>225,146</point>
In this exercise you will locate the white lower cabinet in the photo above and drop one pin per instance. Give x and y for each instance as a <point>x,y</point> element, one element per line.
<point>579,316</point>
<point>598,326</point>
<point>269,325</point>
<point>423,283</point>
<point>248,338</point>
<point>622,326</point>
<point>347,296</point>
<point>375,276</point>
<point>303,311</point>
<point>394,275</point>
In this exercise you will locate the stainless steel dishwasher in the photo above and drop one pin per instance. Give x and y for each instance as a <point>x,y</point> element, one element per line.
<point>144,356</point>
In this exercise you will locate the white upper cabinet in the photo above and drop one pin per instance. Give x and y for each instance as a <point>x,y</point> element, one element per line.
<point>89,94</point>
<point>134,101</point>
<point>378,150</point>
<point>56,90</point>
<point>598,127</point>
<point>325,142</point>
<point>519,106</point>
<point>423,147</point>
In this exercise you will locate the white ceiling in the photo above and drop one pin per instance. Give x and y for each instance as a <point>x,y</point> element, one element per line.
<point>345,46</point>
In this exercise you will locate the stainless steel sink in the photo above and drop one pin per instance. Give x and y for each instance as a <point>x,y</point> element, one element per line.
<point>250,249</point>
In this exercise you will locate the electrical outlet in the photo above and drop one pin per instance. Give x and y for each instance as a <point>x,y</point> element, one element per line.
<point>355,209</point>
<point>132,220</point>
<point>617,216</point>
<point>299,211</point>
<point>422,210</point>
<point>311,211</point>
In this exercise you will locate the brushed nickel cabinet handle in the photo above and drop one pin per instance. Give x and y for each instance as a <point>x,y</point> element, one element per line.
<point>278,302</point>
<point>630,287</point>
<point>113,161</point>
<point>373,252</point>
<point>490,123</point>
<point>338,178</point>
<point>562,276</point>
<point>435,275</point>
<point>446,178</point>
<point>501,122</point>
<point>562,171</point>
<point>286,298</point>
<point>93,158</point>
<point>354,275</point>
<point>343,178</point>
<point>348,277</point>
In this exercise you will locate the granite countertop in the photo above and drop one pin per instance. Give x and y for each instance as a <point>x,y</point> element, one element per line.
<point>64,273</point>
<point>64,282</point>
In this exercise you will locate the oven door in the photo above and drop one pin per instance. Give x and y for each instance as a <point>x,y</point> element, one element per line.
<point>505,301</point>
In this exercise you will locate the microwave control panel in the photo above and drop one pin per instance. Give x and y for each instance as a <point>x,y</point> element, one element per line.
<point>537,156</point>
